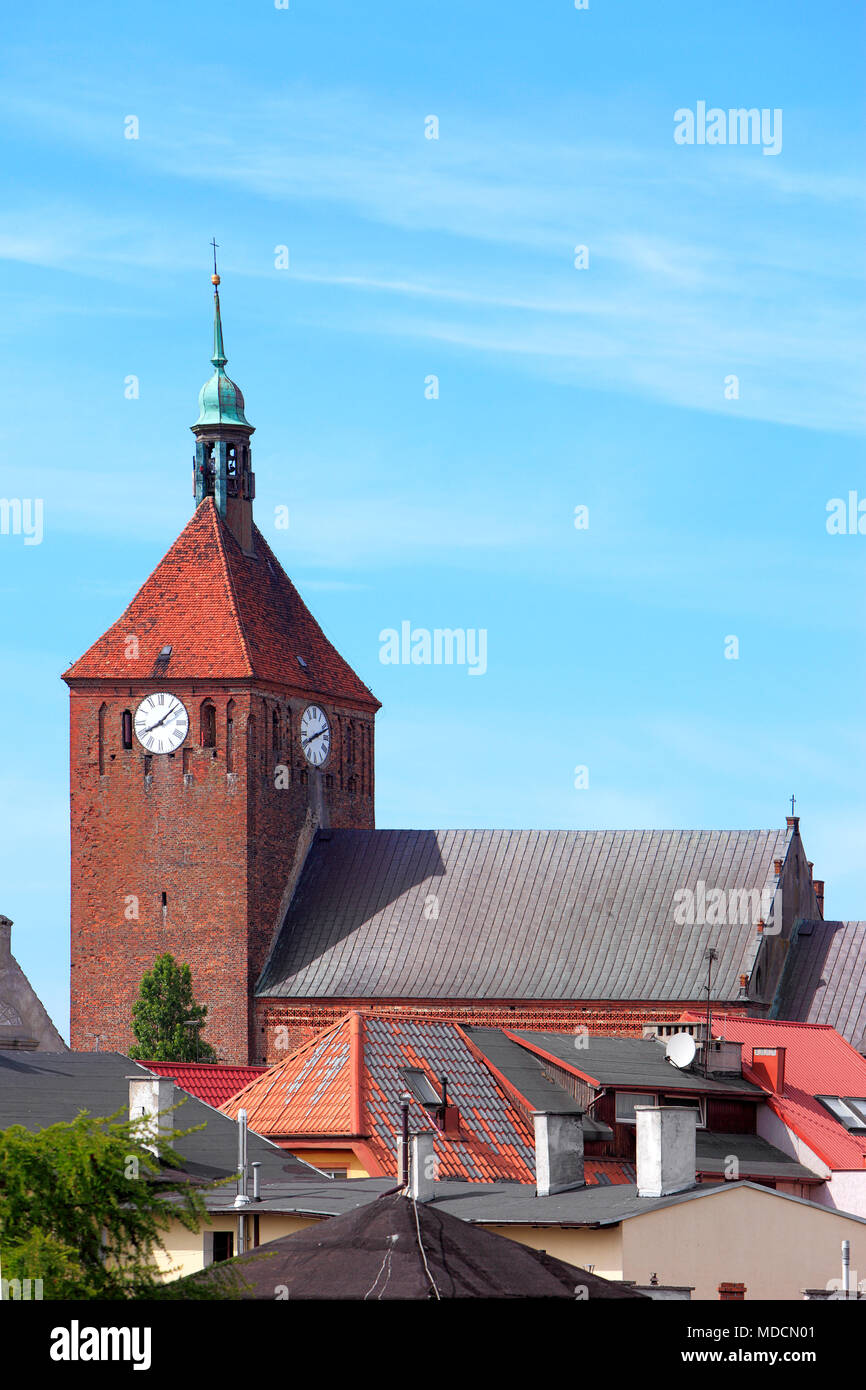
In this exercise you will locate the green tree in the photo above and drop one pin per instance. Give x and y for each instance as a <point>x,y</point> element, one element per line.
<point>83,1207</point>
<point>164,1006</point>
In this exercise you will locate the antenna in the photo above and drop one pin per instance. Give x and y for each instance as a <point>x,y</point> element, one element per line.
<point>681,1049</point>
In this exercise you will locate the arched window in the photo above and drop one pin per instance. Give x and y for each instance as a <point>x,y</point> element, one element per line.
<point>275,729</point>
<point>208,725</point>
<point>230,736</point>
<point>101,737</point>
<point>126,728</point>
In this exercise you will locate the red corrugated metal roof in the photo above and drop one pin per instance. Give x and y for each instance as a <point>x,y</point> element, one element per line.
<point>209,1081</point>
<point>817,1062</point>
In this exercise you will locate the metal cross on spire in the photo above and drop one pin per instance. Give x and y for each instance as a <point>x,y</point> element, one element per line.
<point>214,244</point>
<point>792,803</point>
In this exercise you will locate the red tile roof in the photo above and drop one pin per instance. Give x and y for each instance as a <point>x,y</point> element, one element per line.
<point>817,1062</point>
<point>225,615</point>
<point>209,1081</point>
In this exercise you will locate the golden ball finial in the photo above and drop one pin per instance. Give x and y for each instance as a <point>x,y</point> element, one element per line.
<point>214,279</point>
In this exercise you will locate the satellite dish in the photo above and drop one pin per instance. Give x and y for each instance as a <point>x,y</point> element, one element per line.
<point>681,1049</point>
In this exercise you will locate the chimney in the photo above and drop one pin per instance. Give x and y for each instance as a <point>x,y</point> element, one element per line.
<point>777,867</point>
<point>558,1151</point>
<point>149,1098</point>
<point>818,885</point>
<point>5,942</point>
<point>793,823</point>
<point>422,1167</point>
<point>732,1292</point>
<point>768,1064</point>
<point>665,1149</point>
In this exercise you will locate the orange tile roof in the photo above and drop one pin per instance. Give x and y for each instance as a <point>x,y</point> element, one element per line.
<point>818,1061</point>
<point>225,615</point>
<point>211,1082</point>
<point>346,1082</point>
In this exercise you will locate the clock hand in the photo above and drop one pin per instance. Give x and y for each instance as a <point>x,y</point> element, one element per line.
<point>159,721</point>
<point>305,741</point>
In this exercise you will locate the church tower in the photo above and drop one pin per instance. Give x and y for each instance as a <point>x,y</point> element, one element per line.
<point>214,730</point>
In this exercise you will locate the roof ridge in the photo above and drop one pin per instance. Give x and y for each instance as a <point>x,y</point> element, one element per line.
<point>222,532</point>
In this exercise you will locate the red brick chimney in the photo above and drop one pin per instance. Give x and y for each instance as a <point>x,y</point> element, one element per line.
<point>818,885</point>
<point>768,1064</point>
<point>793,823</point>
<point>729,1292</point>
<point>777,867</point>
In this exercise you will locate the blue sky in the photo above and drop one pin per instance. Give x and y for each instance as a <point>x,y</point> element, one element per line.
<point>558,387</point>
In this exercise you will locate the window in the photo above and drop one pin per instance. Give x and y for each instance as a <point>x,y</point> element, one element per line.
<point>230,737</point>
<point>126,728</point>
<point>208,725</point>
<point>696,1103</point>
<point>101,737</point>
<point>275,729</point>
<point>626,1102</point>
<point>850,1111</point>
<point>223,1245</point>
<point>335,1172</point>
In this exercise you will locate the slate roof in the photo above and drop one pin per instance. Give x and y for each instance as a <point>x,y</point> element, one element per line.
<point>38,1089</point>
<point>825,979</point>
<point>817,1062</point>
<point>213,1082</point>
<point>518,914</point>
<point>394,1248</point>
<point>629,1062</point>
<point>226,615</point>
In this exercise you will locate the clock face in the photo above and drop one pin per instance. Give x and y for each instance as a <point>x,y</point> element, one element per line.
<point>161,723</point>
<point>315,735</point>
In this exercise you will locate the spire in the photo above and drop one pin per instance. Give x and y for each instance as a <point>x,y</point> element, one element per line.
<point>223,463</point>
<point>220,401</point>
<point>219,358</point>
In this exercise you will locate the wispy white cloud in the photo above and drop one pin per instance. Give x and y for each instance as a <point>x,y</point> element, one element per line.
<point>697,270</point>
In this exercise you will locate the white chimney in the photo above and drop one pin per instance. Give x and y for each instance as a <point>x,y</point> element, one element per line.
<point>558,1151</point>
<point>423,1165</point>
<point>150,1097</point>
<point>665,1149</point>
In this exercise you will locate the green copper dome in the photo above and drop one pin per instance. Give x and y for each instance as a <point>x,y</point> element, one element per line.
<point>220,401</point>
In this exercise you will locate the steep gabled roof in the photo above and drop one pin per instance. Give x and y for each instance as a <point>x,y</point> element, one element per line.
<point>225,615</point>
<point>825,978</point>
<point>516,914</point>
<point>818,1062</point>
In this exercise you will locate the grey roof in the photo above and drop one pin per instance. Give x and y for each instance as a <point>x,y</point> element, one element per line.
<point>505,1203</point>
<point>637,1062</point>
<point>38,1089</point>
<point>508,914</point>
<point>525,1071</point>
<point>757,1158</point>
<point>825,979</point>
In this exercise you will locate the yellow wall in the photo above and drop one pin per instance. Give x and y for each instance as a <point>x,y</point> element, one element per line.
<point>599,1248</point>
<point>333,1158</point>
